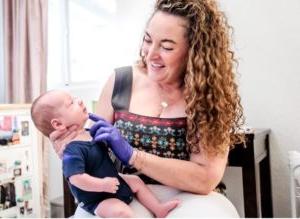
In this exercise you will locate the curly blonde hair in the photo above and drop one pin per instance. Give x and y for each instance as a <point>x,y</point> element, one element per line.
<point>214,111</point>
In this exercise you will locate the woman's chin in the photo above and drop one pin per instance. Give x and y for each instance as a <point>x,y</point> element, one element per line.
<point>155,75</point>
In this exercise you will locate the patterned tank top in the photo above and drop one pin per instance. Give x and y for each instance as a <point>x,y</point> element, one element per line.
<point>164,137</point>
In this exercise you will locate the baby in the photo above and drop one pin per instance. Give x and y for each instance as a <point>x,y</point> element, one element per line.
<point>93,179</point>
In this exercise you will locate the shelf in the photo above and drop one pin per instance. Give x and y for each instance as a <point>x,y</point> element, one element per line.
<point>9,212</point>
<point>6,179</point>
<point>20,162</point>
<point>12,213</point>
<point>11,179</point>
<point>14,146</point>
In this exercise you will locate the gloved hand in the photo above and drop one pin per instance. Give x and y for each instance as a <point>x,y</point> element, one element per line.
<point>104,131</point>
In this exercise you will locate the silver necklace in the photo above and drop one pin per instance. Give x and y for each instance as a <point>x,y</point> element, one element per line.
<point>164,104</point>
<point>164,101</point>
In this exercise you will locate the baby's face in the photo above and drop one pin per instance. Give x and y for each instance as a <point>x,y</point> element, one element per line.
<point>71,110</point>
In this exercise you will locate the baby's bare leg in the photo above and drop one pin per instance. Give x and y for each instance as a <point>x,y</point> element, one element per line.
<point>147,198</point>
<point>113,207</point>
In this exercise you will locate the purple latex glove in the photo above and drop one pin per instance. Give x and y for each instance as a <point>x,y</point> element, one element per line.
<point>104,131</point>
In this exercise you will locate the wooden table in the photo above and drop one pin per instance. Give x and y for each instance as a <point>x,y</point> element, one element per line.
<point>254,159</point>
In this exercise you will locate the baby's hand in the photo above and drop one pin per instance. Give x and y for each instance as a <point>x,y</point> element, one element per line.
<point>110,184</point>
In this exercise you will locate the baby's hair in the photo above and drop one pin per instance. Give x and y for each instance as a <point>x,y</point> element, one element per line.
<point>42,113</point>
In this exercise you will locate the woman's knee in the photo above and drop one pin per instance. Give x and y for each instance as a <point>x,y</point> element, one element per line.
<point>211,205</point>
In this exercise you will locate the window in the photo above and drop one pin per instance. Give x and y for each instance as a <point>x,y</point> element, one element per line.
<point>89,38</point>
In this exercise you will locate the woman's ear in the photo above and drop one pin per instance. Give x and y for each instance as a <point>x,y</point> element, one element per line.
<point>57,124</point>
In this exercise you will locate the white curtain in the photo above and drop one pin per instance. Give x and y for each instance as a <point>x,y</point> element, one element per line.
<point>25,48</point>
<point>2,79</point>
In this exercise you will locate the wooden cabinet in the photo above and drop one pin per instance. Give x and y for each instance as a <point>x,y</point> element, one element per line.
<point>254,160</point>
<point>19,163</point>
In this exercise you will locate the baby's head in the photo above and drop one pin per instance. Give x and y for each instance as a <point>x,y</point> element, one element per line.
<point>56,110</point>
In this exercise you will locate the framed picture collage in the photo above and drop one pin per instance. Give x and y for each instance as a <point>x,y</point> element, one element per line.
<point>19,163</point>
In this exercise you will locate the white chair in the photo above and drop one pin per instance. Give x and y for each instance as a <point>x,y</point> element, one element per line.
<point>294,164</point>
<point>196,206</point>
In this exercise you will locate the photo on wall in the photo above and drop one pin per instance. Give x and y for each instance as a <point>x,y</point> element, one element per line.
<point>7,195</point>
<point>24,128</point>
<point>13,130</point>
<point>9,130</point>
<point>24,196</point>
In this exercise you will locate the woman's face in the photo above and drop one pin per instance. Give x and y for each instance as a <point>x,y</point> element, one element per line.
<point>165,47</point>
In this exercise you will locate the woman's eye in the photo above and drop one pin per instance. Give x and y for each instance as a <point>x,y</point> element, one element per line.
<point>147,40</point>
<point>167,48</point>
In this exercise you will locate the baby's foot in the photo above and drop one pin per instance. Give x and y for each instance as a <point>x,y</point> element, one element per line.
<point>166,207</point>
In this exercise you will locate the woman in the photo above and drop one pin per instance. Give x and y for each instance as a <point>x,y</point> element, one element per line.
<point>180,110</point>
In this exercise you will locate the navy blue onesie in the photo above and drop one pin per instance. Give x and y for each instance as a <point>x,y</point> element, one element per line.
<point>93,159</point>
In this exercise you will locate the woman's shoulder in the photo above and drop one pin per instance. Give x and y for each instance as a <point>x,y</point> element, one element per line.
<point>138,71</point>
<point>139,75</point>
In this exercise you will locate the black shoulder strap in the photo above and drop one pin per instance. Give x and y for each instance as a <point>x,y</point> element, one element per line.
<point>122,88</point>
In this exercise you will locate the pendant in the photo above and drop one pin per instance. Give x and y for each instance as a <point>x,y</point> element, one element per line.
<point>164,104</point>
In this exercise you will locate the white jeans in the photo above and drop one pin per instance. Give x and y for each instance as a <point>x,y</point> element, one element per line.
<point>212,205</point>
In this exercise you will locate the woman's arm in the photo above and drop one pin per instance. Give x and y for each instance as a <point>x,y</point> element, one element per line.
<point>199,175</point>
<point>104,107</point>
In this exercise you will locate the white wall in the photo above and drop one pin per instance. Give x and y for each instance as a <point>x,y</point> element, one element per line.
<point>267,36</point>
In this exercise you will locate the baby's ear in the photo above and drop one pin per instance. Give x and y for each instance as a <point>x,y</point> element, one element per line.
<point>57,124</point>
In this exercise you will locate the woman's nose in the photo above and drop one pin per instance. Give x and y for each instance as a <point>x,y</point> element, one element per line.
<point>153,52</point>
